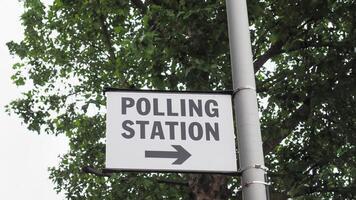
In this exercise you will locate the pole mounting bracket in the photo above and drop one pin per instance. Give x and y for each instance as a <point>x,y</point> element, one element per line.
<point>256,182</point>
<point>256,166</point>
<point>253,182</point>
<point>246,87</point>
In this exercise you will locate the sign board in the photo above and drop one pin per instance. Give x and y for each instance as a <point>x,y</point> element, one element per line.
<point>169,131</point>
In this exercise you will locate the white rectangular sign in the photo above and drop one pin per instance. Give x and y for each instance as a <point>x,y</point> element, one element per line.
<point>169,131</point>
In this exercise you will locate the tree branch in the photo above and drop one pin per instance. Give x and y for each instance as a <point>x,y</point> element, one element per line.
<point>100,173</point>
<point>139,5</point>
<point>107,40</point>
<point>325,188</point>
<point>287,126</point>
<point>302,113</point>
<point>305,45</point>
<point>110,46</point>
<point>173,182</point>
<point>96,172</point>
<point>274,50</point>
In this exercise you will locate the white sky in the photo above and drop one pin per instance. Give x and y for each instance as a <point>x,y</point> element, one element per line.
<point>24,155</point>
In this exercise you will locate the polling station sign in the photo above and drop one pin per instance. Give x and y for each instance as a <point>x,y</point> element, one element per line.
<point>169,131</point>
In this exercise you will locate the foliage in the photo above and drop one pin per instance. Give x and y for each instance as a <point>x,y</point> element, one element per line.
<point>73,49</point>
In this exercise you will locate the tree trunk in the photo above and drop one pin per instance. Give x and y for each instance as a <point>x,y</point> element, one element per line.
<point>208,187</point>
<point>205,186</point>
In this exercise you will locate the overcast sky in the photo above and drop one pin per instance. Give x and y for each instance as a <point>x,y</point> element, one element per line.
<point>25,156</point>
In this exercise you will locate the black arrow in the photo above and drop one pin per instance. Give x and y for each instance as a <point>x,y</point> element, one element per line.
<point>181,154</point>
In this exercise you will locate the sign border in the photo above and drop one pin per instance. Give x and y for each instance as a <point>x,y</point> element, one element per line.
<point>117,170</point>
<point>223,92</point>
<point>122,170</point>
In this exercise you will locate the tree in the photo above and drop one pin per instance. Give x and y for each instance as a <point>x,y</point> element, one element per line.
<point>73,49</point>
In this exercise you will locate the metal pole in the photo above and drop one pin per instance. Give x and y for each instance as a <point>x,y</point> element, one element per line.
<point>249,134</point>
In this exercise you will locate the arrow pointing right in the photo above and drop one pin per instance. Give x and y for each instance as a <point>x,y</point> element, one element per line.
<point>181,154</point>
